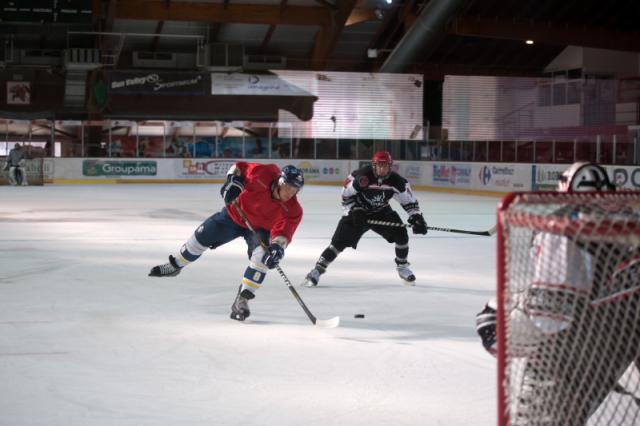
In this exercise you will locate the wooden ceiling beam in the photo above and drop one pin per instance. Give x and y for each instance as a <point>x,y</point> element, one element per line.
<point>546,32</point>
<point>328,35</point>
<point>159,10</point>
<point>361,15</point>
<point>272,28</point>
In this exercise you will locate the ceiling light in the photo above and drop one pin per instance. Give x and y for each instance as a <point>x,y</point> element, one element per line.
<point>389,1</point>
<point>529,41</point>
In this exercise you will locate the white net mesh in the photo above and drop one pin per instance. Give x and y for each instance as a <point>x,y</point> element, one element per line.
<point>569,309</point>
<point>37,169</point>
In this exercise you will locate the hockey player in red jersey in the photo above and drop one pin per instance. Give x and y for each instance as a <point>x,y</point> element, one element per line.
<point>366,195</point>
<point>267,197</point>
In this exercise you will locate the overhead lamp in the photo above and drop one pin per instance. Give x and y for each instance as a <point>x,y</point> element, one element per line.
<point>529,41</point>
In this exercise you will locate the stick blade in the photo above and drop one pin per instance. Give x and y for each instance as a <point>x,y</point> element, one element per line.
<point>329,323</point>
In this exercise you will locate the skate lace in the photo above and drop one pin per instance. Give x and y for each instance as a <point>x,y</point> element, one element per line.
<point>241,304</point>
<point>167,268</point>
<point>403,268</point>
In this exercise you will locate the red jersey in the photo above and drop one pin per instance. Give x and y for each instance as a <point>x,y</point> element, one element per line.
<point>262,210</point>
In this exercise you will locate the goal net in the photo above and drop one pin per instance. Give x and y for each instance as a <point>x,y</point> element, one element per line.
<point>36,169</point>
<point>568,327</point>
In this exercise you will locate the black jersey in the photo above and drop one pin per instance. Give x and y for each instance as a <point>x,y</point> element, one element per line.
<point>363,189</point>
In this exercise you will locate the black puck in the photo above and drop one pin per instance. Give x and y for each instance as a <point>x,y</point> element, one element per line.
<point>358,316</point>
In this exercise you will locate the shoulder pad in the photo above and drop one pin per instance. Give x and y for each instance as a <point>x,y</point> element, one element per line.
<point>397,181</point>
<point>363,177</point>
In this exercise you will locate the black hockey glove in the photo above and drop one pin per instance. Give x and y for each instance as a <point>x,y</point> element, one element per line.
<point>418,224</point>
<point>358,217</point>
<point>232,188</point>
<point>486,328</point>
<point>272,257</point>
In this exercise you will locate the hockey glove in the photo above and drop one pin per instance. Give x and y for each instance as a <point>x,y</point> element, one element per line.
<point>418,224</point>
<point>273,254</point>
<point>358,217</point>
<point>486,327</point>
<point>232,188</point>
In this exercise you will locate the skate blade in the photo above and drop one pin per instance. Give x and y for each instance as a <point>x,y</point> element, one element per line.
<point>409,283</point>
<point>308,283</point>
<point>329,323</point>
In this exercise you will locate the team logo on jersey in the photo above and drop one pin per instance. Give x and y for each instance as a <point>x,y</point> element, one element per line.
<point>376,200</point>
<point>363,181</point>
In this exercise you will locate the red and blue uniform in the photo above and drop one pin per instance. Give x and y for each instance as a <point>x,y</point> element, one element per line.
<point>279,218</point>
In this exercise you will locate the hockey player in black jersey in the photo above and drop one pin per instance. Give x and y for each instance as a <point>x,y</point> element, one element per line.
<point>365,195</point>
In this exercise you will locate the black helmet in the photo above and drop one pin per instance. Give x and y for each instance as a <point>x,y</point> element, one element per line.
<point>292,176</point>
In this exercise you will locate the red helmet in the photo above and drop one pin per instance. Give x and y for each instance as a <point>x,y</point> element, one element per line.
<point>382,157</point>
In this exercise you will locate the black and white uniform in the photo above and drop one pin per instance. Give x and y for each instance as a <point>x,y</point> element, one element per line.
<point>365,197</point>
<point>363,190</point>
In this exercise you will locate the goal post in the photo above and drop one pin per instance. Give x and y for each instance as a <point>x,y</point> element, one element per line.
<point>36,168</point>
<point>568,309</point>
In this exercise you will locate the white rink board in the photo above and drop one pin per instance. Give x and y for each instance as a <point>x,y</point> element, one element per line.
<point>480,177</point>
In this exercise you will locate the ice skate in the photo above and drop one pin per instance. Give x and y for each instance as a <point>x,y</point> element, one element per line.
<point>169,269</point>
<point>240,308</point>
<point>312,278</point>
<point>405,273</point>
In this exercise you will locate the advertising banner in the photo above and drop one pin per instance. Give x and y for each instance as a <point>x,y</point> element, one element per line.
<point>156,83</point>
<point>214,168</point>
<point>253,84</point>
<point>18,93</point>
<point>111,168</point>
<point>625,177</point>
<point>202,169</point>
<point>451,175</point>
<point>545,176</point>
<point>502,177</point>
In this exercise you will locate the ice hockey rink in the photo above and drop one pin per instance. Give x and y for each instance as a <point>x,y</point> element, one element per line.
<point>87,338</point>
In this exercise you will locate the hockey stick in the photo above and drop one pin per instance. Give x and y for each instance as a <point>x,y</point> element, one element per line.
<point>330,323</point>
<point>488,233</point>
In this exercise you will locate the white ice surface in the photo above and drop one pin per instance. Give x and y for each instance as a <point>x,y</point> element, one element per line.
<point>86,338</point>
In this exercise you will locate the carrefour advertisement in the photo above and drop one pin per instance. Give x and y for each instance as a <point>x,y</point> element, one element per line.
<point>502,177</point>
